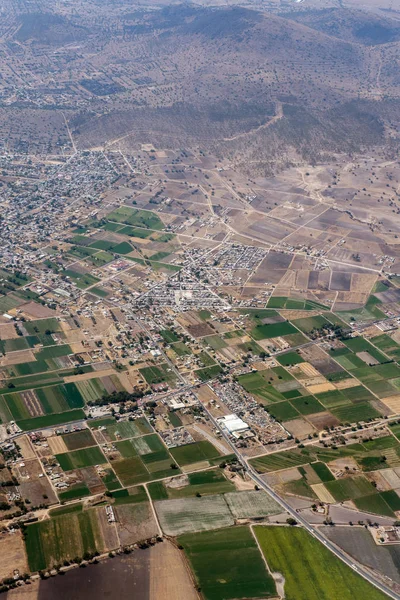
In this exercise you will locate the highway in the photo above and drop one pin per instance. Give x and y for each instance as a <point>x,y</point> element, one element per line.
<point>311,529</point>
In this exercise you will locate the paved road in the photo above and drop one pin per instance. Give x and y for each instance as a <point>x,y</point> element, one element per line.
<point>310,528</point>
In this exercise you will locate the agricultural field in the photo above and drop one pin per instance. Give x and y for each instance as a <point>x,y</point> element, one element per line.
<point>137,218</point>
<point>203,483</point>
<point>331,579</point>
<point>195,452</point>
<point>227,564</point>
<point>63,537</point>
<point>143,459</point>
<point>79,459</point>
<point>316,467</point>
<point>159,374</point>
<point>185,515</point>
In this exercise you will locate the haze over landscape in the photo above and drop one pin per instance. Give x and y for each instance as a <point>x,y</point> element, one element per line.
<point>200,300</point>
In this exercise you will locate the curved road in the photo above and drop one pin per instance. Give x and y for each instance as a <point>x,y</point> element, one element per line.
<point>312,530</point>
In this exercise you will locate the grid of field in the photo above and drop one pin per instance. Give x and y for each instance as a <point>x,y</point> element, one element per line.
<point>331,579</point>
<point>43,401</point>
<point>135,468</point>
<point>227,564</point>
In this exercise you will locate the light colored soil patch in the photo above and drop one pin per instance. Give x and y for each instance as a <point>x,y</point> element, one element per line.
<point>26,447</point>
<point>289,475</point>
<point>201,432</point>
<point>362,282</point>
<point>320,388</point>
<point>299,314</point>
<point>392,477</point>
<point>92,375</point>
<point>126,382</point>
<point>340,464</point>
<point>196,466</point>
<point>193,514</point>
<point>27,592</point>
<point>312,477</point>
<point>308,369</point>
<point>8,332</point>
<point>205,394</point>
<point>77,347</point>
<point>314,381</point>
<point>322,493</point>
<point>38,311</point>
<point>299,428</point>
<point>57,444</point>
<point>169,575</point>
<point>108,531</point>
<point>135,522</point>
<point>393,403</point>
<point>377,477</point>
<point>12,552</point>
<point>367,358</point>
<point>240,483</point>
<point>32,403</point>
<point>346,384</point>
<point>252,504</point>
<point>17,358</point>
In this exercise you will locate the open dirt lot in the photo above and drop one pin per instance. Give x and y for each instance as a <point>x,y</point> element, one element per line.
<point>12,552</point>
<point>57,444</point>
<point>26,447</point>
<point>170,577</point>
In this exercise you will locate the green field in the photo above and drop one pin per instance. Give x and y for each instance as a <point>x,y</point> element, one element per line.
<point>193,453</point>
<point>322,471</point>
<point>79,439</point>
<point>278,461</point>
<point>307,405</point>
<point>78,459</point>
<point>80,490</point>
<point>203,482</point>
<point>42,325</point>
<point>313,573</point>
<point>355,413</point>
<point>50,420</point>
<point>307,324</point>
<point>161,373</point>
<point>126,429</point>
<point>51,399</point>
<point>169,336</point>
<point>376,503</point>
<point>61,538</point>
<point>290,358</point>
<point>262,332</point>
<point>136,217</point>
<point>143,459</point>
<point>208,372</point>
<point>227,564</point>
<point>349,488</point>
<point>283,411</point>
